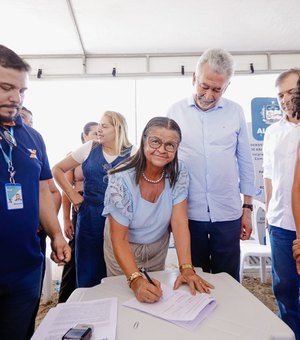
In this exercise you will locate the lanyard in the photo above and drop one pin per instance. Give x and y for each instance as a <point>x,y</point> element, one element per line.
<point>8,160</point>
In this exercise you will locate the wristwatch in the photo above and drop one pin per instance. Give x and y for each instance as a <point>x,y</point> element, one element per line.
<point>186,266</point>
<point>132,277</point>
<point>248,206</point>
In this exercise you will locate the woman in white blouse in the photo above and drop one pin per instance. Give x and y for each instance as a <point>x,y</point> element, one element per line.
<point>146,195</point>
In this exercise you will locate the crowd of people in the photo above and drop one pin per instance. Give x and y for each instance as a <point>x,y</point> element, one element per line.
<point>191,175</point>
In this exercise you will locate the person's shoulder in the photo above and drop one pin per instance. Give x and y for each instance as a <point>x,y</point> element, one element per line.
<point>275,126</point>
<point>181,165</point>
<point>124,179</point>
<point>182,171</point>
<point>231,103</point>
<point>133,150</point>
<point>178,105</point>
<point>125,174</point>
<point>33,133</point>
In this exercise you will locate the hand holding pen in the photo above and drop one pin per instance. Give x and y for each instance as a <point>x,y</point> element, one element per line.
<point>143,271</point>
<point>146,290</point>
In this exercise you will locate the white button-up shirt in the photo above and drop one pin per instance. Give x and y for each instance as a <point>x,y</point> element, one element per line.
<point>215,148</point>
<point>280,155</point>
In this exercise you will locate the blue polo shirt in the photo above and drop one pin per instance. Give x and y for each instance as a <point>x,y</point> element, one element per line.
<point>19,244</point>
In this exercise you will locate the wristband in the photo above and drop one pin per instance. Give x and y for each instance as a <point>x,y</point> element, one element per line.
<point>248,206</point>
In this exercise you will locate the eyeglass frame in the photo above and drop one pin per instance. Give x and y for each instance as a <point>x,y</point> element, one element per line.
<point>176,144</point>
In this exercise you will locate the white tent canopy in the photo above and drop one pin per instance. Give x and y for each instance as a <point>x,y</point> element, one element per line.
<point>75,38</point>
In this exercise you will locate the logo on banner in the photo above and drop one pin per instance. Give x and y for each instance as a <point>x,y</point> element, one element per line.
<point>265,111</point>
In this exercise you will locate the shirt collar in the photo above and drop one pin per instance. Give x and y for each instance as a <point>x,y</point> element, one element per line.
<point>191,102</point>
<point>284,120</point>
<point>18,122</point>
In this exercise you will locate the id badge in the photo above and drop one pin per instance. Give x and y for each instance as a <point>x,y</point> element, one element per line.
<point>14,196</point>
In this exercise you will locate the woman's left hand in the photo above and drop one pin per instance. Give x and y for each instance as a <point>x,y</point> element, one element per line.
<point>194,281</point>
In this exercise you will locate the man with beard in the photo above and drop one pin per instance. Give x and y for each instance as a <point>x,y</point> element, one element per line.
<point>216,150</point>
<point>280,155</point>
<point>24,171</point>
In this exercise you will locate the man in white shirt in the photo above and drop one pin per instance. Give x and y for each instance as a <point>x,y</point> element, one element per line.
<point>280,154</point>
<point>215,148</point>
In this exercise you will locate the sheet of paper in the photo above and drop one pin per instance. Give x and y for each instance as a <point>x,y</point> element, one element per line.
<point>102,314</point>
<point>178,307</point>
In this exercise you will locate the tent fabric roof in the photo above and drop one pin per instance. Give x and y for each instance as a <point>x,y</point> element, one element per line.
<point>93,27</point>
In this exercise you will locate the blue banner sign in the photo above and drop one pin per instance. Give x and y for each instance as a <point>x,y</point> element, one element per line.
<point>265,111</point>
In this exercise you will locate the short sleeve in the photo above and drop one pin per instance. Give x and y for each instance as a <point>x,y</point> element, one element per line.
<point>180,190</point>
<point>45,168</point>
<point>82,153</point>
<point>118,200</point>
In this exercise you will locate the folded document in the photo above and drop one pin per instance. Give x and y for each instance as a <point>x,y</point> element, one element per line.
<point>178,307</point>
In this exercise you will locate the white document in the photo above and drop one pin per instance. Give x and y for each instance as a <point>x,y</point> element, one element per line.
<point>102,314</point>
<point>178,307</point>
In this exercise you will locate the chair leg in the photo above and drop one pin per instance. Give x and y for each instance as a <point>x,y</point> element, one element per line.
<point>242,260</point>
<point>263,274</point>
<point>47,284</point>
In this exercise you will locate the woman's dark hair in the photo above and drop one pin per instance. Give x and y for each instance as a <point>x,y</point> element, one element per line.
<point>86,129</point>
<point>138,160</point>
<point>296,101</point>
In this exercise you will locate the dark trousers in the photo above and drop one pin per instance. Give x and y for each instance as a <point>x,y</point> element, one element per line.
<point>68,279</point>
<point>215,246</point>
<point>18,301</point>
<point>90,264</point>
<point>42,235</point>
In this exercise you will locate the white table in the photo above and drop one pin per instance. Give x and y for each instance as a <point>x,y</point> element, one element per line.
<point>238,315</point>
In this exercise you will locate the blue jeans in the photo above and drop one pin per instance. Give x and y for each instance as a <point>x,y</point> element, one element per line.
<point>18,306</point>
<point>215,246</point>
<point>90,264</point>
<point>286,281</point>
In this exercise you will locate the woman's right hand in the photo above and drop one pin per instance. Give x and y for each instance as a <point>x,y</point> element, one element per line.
<point>76,199</point>
<point>68,229</point>
<point>146,291</point>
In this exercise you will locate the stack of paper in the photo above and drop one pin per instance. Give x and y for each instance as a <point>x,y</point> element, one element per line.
<point>102,314</point>
<point>178,307</point>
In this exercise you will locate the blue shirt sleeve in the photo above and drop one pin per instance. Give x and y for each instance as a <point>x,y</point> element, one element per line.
<point>180,190</point>
<point>118,200</point>
<point>244,160</point>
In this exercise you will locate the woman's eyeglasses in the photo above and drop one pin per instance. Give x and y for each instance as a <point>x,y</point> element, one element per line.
<point>9,138</point>
<point>156,143</point>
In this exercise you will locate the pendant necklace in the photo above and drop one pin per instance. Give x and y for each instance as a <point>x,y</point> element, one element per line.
<point>150,180</point>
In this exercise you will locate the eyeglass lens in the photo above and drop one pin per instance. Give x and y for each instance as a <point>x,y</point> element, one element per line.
<point>156,143</point>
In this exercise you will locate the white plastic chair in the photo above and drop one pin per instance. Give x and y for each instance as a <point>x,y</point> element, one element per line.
<point>254,247</point>
<point>47,283</point>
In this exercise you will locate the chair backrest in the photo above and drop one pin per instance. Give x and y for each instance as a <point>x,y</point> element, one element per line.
<point>256,221</point>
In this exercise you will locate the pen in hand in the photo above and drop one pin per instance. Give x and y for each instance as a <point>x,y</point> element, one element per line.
<point>143,271</point>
